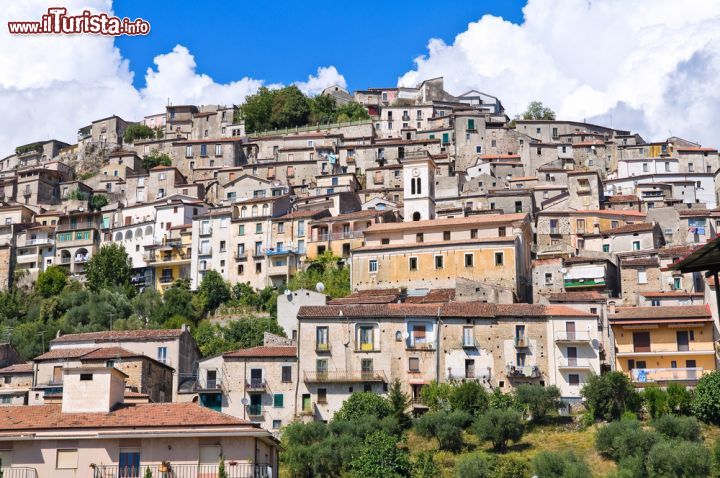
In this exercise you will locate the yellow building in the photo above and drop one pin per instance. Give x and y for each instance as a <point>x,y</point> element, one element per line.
<point>490,249</point>
<point>343,233</point>
<point>170,260</point>
<point>663,344</point>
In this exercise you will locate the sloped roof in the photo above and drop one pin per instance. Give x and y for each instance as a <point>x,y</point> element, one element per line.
<point>264,351</point>
<point>121,335</point>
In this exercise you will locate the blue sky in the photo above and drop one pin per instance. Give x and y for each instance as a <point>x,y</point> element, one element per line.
<point>371,43</point>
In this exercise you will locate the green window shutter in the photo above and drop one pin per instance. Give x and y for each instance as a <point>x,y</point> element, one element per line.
<point>446,138</point>
<point>471,124</point>
<point>278,400</point>
<point>432,136</point>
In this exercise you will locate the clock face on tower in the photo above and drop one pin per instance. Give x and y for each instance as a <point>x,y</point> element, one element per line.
<point>416,172</point>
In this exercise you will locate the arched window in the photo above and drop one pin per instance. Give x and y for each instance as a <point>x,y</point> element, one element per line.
<point>416,216</point>
<point>128,235</point>
<point>243,211</point>
<point>148,230</point>
<point>419,186</point>
<point>118,237</point>
<point>265,209</point>
<point>254,211</point>
<point>412,186</point>
<point>138,233</point>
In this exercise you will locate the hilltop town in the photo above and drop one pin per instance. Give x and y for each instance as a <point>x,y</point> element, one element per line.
<point>479,247</point>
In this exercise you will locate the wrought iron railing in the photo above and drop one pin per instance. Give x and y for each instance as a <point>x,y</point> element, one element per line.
<point>232,470</point>
<point>19,472</point>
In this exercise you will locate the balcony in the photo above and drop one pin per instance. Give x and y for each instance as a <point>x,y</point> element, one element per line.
<point>241,256</point>
<point>337,236</point>
<point>366,347</point>
<point>469,343</point>
<point>656,350</point>
<point>65,260</point>
<point>258,253</point>
<point>167,279</point>
<point>255,410</point>
<point>256,384</point>
<point>345,377</point>
<point>322,348</point>
<point>38,242</point>
<point>81,259</point>
<point>282,251</point>
<point>75,227</point>
<point>521,342</point>
<point>554,230</point>
<point>406,117</point>
<point>23,472</point>
<point>522,371</point>
<point>420,347</point>
<point>233,470</point>
<point>208,385</point>
<point>205,232</point>
<point>662,375</point>
<point>149,257</point>
<point>584,282</point>
<point>205,252</point>
<point>573,337</point>
<point>573,364</point>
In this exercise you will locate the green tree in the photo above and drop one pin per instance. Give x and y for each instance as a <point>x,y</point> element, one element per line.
<point>470,397</point>
<point>679,459</point>
<point>137,131</point>
<point>351,111</point>
<point>323,109</point>
<point>213,291</point>
<point>51,281</point>
<point>447,427</point>
<point>436,396</point>
<point>500,400</point>
<point>655,401</point>
<point>326,269</point>
<point>380,457</point>
<point>109,266</point>
<point>537,111</point>
<point>560,465</point>
<point>706,400</point>
<point>257,110</point>
<point>210,340</point>
<point>148,473</point>
<point>290,108</point>
<point>538,400</point>
<point>222,473</point>
<point>624,438</point>
<point>249,332</point>
<point>508,467</point>
<point>155,159</point>
<point>98,201</point>
<point>682,428</point>
<point>499,427</point>
<point>610,395</point>
<point>178,301</point>
<point>424,466</point>
<point>474,465</point>
<point>399,403</point>
<point>679,399</point>
<point>362,404</point>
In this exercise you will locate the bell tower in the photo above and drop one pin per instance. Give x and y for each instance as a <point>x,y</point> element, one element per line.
<point>418,188</point>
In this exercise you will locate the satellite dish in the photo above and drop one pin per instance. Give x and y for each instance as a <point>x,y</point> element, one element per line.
<point>563,270</point>
<point>288,292</point>
<point>244,401</point>
<point>320,287</point>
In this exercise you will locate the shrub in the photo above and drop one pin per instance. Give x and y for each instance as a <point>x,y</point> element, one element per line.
<point>137,131</point>
<point>610,395</point>
<point>425,466</point>
<point>362,404</point>
<point>683,428</point>
<point>51,281</point>
<point>380,457</point>
<point>507,467</point>
<point>500,400</point>
<point>679,399</point>
<point>436,395</point>
<point>474,465</point>
<point>679,459</point>
<point>469,397</point>
<point>446,427</point>
<point>618,440</point>
<point>538,400</point>
<point>499,427</point>
<point>706,401</point>
<point>655,401</point>
<point>560,465</point>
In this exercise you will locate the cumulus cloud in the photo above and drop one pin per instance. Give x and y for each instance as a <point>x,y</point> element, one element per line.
<point>52,85</point>
<point>326,76</point>
<point>650,65</point>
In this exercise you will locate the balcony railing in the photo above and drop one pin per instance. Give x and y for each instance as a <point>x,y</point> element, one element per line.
<point>233,470</point>
<point>76,227</point>
<point>65,260</point>
<point>521,342</point>
<point>522,371</point>
<point>643,375</point>
<point>166,279</point>
<point>255,384</point>
<point>572,337</point>
<point>322,347</point>
<point>241,256</point>
<point>38,242</point>
<point>345,377</point>
<point>573,364</point>
<point>19,472</point>
<point>280,251</point>
<point>209,384</point>
<point>469,342</point>
<point>337,236</point>
<point>206,232</point>
<point>81,259</point>
<point>255,410</point>
<point>205,252</point>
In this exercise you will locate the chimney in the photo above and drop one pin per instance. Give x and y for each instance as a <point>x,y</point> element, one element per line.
<point>611,307</point>
<point>92,389</point>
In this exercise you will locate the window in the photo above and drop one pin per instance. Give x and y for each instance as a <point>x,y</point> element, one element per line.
<point>203,150</point>
<point>474,233</point>
<point>471,124</point>
<point>468,339</point>
<point>606,247</point>
<point>258,228</point>
<point>518,206</point>
<point>366,366</point>
<point>66,459</point>
<point>419,237</point>
<point>469,259</point>
<point>286,374</point>
<point>636,245</point>
<point>162,354</point>
<point>573,379</point>
<point>218,150</point>
<point>614,224</point>
<point>366,338</point>
<point>642,276</point>
<point>439,262</point>
<point>655,303</point>
<point>677,283</point>
<point>499,258</point>
<point>373,266</point>
<point>322,395</point>
<point>548,278</point>
<point>418,334</point>
<point>413,263</point>
<point>276,424</point>
<point>691,167</point>
<point>321,338</point>
<point>667,167</point>
<point>86,377</point>
<point>414,364</point>
<point>502,231</point>
<point>446,235</point>
<point>188,151</point>
<point>278,400</point>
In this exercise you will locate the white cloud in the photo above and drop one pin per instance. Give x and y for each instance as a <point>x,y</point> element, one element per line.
<point>326,76</point>
<point>52,85</point>
<point>652,65</point>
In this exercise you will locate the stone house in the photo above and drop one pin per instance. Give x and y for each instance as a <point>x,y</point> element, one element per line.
<point>77,239</point>
<point>15,383</point>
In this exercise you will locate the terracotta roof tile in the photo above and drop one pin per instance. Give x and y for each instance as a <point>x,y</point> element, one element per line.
<point>640,262</point>
<point>420,245</point>
<point>671,294</point>
<point>303,213</point>
<point>107,353</point>
<point>26,367</point>
<point>667,312</point>
<point>64,354</point>
<point>127,416</point>
<point>577,296</point>
<point>264,351</point>
<point>365,213</point>
<point>433,296</point>
<point>482,219</point>
<point>624,198</point>
<point>121,335</point>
